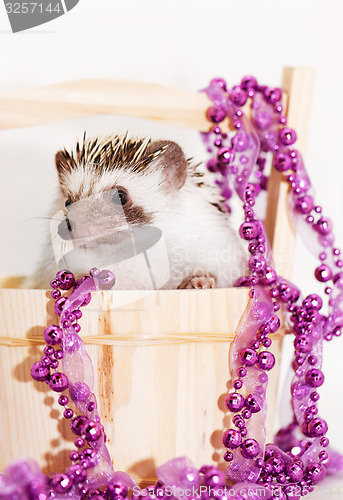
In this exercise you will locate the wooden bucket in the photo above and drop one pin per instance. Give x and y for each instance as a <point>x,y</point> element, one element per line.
<point>161,359</point>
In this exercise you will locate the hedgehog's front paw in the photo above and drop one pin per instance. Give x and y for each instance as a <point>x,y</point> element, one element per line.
<point>198,282</point>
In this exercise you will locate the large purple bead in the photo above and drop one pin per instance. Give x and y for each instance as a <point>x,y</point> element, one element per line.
<point>214,478</point>
<point>323,226</point>
<point>216,114</point>
<point>253,403</point>
<point>266,360</point>
<point>225,156</point>
<point>59,304</point>
<point>58,382</point>
<point>314,377</point>
<point>232,439</point>
<point>116,488</point>
<point>92,431</point>
<point>313,301</point>
<point>315,472</point>
<point>79,391</point>
<point>61,483</point>
<point>66,279</point>
<point>248,356</point>
<point>317,427</point>
<point>304,204</point>
<point>303,343</point>
<point>53,335</point>
<point>40,372</point>
<point>78,424</point>
<point>250,448</point>
<point>282,162</point>
<point>276,464</point>
<point>323,273</point>
<point>106,280</point>
<point>238,96</point>
<point>234,402</point>
<point>287,136</point>
<point>295,471</point>
<point>273,95</point>
<point>248,82</point>
<point>250,230</point>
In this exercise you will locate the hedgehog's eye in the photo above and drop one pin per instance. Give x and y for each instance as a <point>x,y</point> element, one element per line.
<point>67,203</point>
<point>120,197</point>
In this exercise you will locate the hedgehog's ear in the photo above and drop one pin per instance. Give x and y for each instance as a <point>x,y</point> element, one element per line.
<point>172,161</point>
<point>64,163</point>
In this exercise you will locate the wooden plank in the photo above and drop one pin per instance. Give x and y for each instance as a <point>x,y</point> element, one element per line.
<point>298,83</point>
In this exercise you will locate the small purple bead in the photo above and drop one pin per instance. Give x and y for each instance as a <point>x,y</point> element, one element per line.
<point>250,448</point>
<point>58,382</point>
<point>68,413</point>
<point>59,304</point>
<point>277,465</point>
<point>219,82</point>
<point>287,136</point>
<point>39,372</point>
<point>323,273</point>
<point>315,377</point>
<point>92,431</point>
<point>91,456</point>
<point>66,278</point>
<point>304,204</point>
<point>61,483</point>
<point>270,276</point>
<point>74,456</point>
<point>55,294</point>
<point>53,335</point>
<point>234,402</point>
<point>79,391</point>
<point>225,156</point>
<point>282,162</point>
<point>79,442</point>
<point>248,356</point>
<point>77,473</point>
<point>78,424</point>
<point>266,360</point>
<point>232,439</point>
<point>250,230</point>
<point>272,95</point>
<point>116,488</point>
<point>214,478</point>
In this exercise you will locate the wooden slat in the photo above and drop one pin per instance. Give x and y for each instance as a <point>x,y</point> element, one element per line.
<point>298,82</point>
<point>36,106</point>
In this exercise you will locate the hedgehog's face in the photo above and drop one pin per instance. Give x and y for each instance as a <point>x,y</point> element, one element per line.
<point>116,184</point>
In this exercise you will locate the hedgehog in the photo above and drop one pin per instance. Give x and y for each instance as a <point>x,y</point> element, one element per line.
<point>140,208</point>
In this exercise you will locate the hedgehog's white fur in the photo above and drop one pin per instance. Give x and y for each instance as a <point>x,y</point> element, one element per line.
<point>198,237</point>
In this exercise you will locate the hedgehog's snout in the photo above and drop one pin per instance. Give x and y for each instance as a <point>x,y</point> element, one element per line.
<point>66,229</point>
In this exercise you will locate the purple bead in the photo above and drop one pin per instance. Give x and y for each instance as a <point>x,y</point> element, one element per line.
<point>323,226</point>
<point>274,324</point>
<point>304,204</point>
<point>317,427</point>
<point>315,472</point>
<point>277,465</point>
<point>68,413</point>
<point>66,279</point>
<point>314,377</point>
<point>257,263</point>
<point>248,356</point>
<point>295,471</point>
<point>232,439</point>
<point>92,431</point>
<point>240,142</point>
<point>266,360</point>
<point>253,403</point>
<point>225,156</point>
<point>282,162</point>
<point>79,391</point>
<point>61,483</point>
<point>55,294</point>
<point>287,136</point>
<point>313,301</point>
<point>250,230</point>
<point>214,478</point>
<point>272,95</point>
<point>250,448</point>
<point>216,114</point>
<point>58,382</point>
<point>303,343</point>
<point>91,456</point>
<point>116,488</point>
<point>238,96</point>
<point>248,82</point>
<point>79,442</point>
<point>74,456</point>
<point>219,82</point>
<point>78,424</point>
<point>53,335</point>
<point>40,372</point>
<point>234,402</point>
<point>59,304</point>
<point>323,273</point>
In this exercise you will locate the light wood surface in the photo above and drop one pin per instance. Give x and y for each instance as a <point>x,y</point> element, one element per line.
<point>161,359</point>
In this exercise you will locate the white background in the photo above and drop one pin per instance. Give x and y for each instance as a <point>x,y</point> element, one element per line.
<point>183,44</point>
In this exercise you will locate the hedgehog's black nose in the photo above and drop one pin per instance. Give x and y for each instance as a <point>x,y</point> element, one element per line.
<point>66,228</point>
